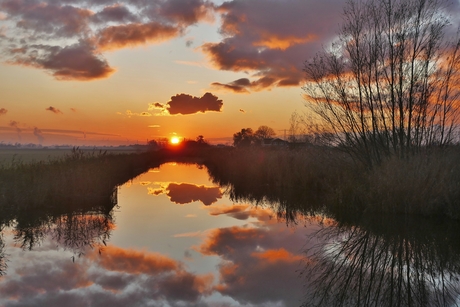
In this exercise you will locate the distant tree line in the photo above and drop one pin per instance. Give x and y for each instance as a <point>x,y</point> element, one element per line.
<point>247,137</point>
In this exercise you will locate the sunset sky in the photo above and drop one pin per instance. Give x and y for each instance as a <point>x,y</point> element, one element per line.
<point>106,72</point>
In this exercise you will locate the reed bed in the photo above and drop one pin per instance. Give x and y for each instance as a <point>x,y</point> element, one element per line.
<point>324,179</point>
<point>74,179</point>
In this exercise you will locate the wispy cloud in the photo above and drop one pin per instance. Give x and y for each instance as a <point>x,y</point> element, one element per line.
<point>39,135</point>
<point>54,110</point>
<point>188,63</point>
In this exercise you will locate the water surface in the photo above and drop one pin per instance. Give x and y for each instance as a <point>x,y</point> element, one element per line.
<point>171,237</point>
<point>174,239</point>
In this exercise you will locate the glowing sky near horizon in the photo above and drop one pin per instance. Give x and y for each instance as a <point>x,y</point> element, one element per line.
<point>118,72</point>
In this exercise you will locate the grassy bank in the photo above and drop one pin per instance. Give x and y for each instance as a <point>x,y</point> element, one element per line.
<point>325,179</point>
<point>74,179</point>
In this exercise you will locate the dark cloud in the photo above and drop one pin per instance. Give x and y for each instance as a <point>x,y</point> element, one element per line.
<point>114,13</point>
<point>242,111</point>
<point>189,42</point>
<point>54,110</point>
<point>67,38</point>
<point>50,19</point>
<point>73,109</point>
<point>185,193</point>
<point>3,111</point>
<point>187,104</point>
<point>75,62</point>
<point>271,43</point>
<point>136,277</point>
<point>186,12</point>
<point>237,86</point>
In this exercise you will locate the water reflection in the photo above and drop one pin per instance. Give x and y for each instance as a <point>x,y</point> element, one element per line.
<point>185,193</point>
<point>386,261</point>
<point>139,248</point>
<point>362,260</point>
<point>150,252</point>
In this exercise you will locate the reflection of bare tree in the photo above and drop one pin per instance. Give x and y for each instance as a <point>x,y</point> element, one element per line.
<point>29,231</point>
<point>75,231</point>
<point>3,264</point>
<point>401,263</point>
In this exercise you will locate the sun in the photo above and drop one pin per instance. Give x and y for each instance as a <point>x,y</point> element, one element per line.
<point>175,140</point>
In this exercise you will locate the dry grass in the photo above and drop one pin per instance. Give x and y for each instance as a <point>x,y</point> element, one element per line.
<point>75,178</point>
<point>324,179</point>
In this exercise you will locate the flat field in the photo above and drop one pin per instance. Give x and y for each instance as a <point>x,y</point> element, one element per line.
<point>30,155</point>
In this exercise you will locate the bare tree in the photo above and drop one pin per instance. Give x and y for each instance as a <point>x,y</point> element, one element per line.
<point>388,86</point>
<point>264,132</point>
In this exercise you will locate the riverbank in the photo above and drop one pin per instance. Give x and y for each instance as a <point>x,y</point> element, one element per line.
<point>306,181</point>
<point>74,179</point>
<point>324,179</point>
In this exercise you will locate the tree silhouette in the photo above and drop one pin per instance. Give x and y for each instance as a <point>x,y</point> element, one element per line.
<point>388,86</point>
<point>243,138</point>
<point>263,133</point>
<point>200,140</point>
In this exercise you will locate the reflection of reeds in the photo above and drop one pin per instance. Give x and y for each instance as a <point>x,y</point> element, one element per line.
<point>325,179</point>
<point>69,200</point>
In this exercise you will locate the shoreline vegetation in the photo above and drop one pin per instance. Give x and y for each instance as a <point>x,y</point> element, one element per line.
<point>312,180</point>
<point>326,180</point>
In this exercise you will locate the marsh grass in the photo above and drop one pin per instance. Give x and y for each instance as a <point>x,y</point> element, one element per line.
<point>324,179</point>
<point>75,178</point>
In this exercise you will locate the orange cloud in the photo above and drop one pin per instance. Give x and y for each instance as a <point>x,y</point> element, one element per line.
<point>281,254</point>
<point>135,262</point>
<point>131,35</point>
<point>282,42</point>
<point>3,111</point>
